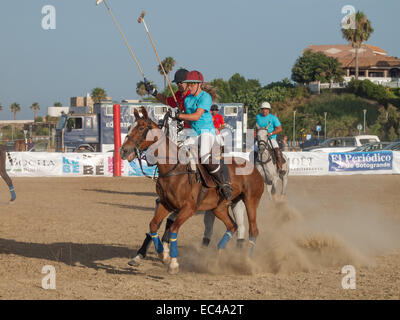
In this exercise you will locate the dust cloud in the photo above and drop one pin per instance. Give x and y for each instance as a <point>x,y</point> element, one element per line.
<point>304,238</point>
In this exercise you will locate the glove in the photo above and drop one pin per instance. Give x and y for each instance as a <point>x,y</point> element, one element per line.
<point>149,88</point>
<point>176,116</point>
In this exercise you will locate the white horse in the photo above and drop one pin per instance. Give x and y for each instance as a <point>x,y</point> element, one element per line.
<point>268,169</point>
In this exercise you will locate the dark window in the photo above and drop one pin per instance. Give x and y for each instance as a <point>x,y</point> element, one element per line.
<point>376,74</point>
<point>360,73</point>
<point>349,143</point>
<point>74,123</point>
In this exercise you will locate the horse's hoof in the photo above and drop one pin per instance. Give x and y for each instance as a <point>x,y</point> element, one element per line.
<point>135,262</point>
<point>164,257</point>
<point>173,267</point>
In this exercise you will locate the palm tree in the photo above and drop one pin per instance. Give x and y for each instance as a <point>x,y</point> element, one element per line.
<point>15,108</point>
<point>57,104</point>
<point>1,107</point>
<point>359,34</point>
<point>168,64</point>
<point>141,89</point>
<point>35,108</point>
<point>98,94</point>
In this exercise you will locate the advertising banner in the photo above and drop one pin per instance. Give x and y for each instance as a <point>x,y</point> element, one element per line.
<point>396,162</point>
<point>361,161</point>
<point>34,164</point>
<point>43,164</point>
<point>307,163</point>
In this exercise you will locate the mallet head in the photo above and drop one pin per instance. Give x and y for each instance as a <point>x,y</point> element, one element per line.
<point>98,2</point>
<point>141,16</point>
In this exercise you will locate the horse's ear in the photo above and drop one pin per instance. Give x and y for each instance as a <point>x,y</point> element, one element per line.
<point>143,110</point>
<point>136,114</point>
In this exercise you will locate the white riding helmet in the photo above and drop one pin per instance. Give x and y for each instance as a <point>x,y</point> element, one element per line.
<point>265,105</point>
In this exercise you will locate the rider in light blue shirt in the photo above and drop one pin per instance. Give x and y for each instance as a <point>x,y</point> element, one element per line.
<point>268,121</point>
<point>197,106</point>
<point>271,120</point>
<point>204,123</point>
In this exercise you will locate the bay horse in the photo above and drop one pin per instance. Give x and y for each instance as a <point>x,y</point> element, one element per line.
<point>179,189</point>
<point>4,154</point>
<point>268,169</point>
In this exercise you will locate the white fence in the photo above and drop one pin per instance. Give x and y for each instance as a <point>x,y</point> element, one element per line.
<point>43,164</point>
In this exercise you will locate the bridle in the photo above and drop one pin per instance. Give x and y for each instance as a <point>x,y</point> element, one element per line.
<point>267,146</point>
<point>139,152</point>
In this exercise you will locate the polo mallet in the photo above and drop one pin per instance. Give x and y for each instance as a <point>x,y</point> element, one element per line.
<point>141,19</point>
<point>123,36</point>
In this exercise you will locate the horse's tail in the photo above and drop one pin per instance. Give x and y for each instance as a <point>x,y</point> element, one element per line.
<point>9,158</point>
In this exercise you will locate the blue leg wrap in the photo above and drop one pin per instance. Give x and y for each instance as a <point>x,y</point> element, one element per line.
<point>173,247</point>
<point>225,239</point>
<point>252,241</point>
<point>13,195</point>
<point>157,243</point>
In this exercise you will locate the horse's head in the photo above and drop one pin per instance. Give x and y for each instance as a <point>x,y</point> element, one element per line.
<point>262,138</point>
<point>137,139</point>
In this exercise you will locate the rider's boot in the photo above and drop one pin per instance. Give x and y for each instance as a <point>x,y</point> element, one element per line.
<point>279,161</point>
<point>221,174</point>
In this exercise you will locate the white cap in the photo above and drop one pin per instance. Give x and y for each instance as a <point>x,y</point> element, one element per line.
<point>265,105</point>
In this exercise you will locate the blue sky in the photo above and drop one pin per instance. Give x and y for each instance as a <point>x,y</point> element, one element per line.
<point>260,39</point>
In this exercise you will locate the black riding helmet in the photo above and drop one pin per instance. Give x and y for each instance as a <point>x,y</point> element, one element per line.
<point>214,107</point>
<point>180,75</point>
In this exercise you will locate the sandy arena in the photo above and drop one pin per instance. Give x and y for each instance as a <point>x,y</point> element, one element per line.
<point>89,228</point>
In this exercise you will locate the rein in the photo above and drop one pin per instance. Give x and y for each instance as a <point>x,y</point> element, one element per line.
<point>139,152</point>
<point>266,148</point>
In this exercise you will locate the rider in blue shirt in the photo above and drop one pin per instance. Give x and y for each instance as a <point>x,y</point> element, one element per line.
<point>272,124</point>
<point>197,105</point>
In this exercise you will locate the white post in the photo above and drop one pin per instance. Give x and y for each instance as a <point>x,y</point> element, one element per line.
<point>365,112</point>
<point>294,126</point>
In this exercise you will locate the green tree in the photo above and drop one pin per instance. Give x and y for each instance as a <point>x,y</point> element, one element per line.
<point>57,104</point>
<point>316,66</point>
<point>35,108</point>
<point>166,92</point>
<point>388,123</point>
<point>370,90</point>
<point>15,108</point>
<point>98,94</point>
<point>358,35</point>
<point>223,90</point>
<point>168,63</point>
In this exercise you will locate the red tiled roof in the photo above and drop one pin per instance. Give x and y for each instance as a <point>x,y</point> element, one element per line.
<point>368,56</point>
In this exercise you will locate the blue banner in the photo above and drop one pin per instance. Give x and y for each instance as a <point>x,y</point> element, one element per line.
<point>135,171</point>
<point>361,161</point>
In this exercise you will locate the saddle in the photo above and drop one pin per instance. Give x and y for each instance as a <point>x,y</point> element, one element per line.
<point>206,178</point>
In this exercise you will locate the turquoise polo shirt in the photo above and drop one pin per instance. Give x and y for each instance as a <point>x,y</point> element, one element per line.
<point>263,121</point>
<point>204,101</point>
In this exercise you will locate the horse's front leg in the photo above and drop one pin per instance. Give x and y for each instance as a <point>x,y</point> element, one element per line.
<point>285,181</point>
<point>160,214</point>
<point>184,214</point>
